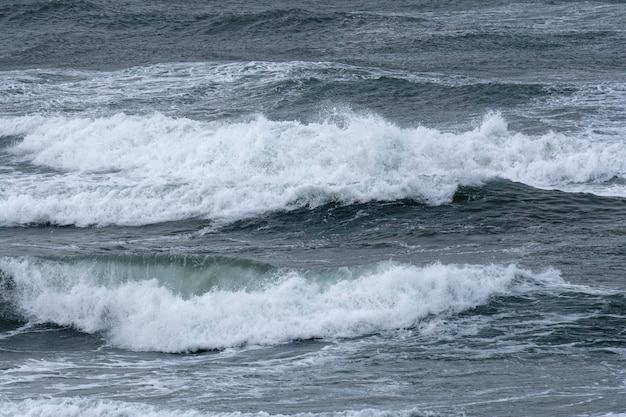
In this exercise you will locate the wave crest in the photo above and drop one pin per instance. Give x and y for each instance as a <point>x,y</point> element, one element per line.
<point>144,314</point>
<point>145,169</point>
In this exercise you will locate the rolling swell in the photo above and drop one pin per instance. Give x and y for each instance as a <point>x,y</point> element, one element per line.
<point>304,91</point>
<point>397,33</point>
<point>478,215</point>
<point>502,192</point>
<point>515,204</point>
<point>386,94</point>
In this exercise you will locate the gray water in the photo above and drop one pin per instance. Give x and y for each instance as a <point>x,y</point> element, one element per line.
<point>348,209</point>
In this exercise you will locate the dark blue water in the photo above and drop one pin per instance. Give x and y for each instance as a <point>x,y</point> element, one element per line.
<point>345,209</point>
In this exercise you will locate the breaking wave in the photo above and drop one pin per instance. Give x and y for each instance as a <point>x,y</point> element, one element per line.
<point>133,170</point>
<point>154,309</point>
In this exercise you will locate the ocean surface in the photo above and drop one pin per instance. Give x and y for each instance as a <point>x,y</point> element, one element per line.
<point>313,208</point>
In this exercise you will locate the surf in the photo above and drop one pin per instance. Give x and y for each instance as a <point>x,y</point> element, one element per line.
<point>178,308</point>
<point>134,170</point>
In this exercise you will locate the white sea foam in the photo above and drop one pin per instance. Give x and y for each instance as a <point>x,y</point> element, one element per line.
<point>81,407</point>
<point>134,170</point>
<point>145,315</point>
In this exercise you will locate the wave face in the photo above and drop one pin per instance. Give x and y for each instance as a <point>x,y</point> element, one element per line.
<point>149,309</point>
<point>133,170</point>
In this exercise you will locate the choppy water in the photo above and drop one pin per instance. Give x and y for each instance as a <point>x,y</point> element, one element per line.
<point>346,209</point>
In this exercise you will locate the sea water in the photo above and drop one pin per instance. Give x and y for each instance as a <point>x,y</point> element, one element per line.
<point>314,209</point>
